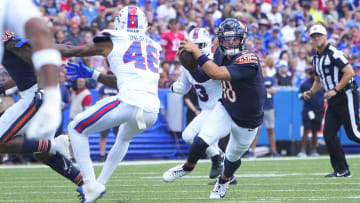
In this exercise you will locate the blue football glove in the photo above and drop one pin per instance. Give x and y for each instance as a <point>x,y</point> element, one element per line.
<point>78,71</point>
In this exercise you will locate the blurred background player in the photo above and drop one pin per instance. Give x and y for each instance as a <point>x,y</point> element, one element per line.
<point>269,117</point>
<point>134,59</point>
<point>208,93</point>
<point>312,114</point>
<point>45,59</point>
<point>16,119</point>
<point>239,111</point>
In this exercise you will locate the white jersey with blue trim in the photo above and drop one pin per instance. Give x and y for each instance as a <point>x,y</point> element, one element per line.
<point>13,16</point>
<point>208,92</point>
<point>134,60</point>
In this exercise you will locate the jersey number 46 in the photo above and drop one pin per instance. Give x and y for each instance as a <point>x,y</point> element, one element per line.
<point>134,54</point>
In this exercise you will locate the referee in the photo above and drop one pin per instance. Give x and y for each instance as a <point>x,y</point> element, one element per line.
<point>335,74</point>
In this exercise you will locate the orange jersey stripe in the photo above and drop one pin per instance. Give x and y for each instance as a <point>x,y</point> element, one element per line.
<point>20,123</point>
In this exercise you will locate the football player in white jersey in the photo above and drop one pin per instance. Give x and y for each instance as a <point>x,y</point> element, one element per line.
<point>134,59</point>
<point>208,93</point>
<point>24,18</point>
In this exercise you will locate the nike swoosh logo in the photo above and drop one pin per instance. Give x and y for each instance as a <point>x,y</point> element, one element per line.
<point>65,165</point>
<point>340,174</point>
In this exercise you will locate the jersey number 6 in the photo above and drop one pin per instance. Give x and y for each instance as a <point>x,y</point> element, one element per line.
<point>134,54</point>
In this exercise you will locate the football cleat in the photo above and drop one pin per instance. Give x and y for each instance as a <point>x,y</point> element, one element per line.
<point>216,166</point>
<point>63,143</point>
<point>220,189</point>
<point>90,192</point>
<point>344,173</point>
<point>232,182</point>
<point>174,173</point>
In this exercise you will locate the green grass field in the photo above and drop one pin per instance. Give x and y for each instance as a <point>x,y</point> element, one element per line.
<point>259,180</point>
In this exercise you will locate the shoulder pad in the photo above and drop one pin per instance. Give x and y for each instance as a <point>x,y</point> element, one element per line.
<point>247,57</point>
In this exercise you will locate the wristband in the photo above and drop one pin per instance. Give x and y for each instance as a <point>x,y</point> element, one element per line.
<point>96,75</point>
<point>202,59</point>
<point>46,57</point>
<point>337,91</point>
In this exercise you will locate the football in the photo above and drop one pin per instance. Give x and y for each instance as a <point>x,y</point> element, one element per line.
<point>188,61</point>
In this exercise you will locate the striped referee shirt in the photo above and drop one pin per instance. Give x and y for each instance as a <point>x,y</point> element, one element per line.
<point>328,66</point>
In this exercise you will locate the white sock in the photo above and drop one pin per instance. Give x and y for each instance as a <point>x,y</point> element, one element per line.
<point>53,148</point>
<point>116,154</point>
<point>81,148</point>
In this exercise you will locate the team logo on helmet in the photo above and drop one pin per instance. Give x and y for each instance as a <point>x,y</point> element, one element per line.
<point>131,19</point>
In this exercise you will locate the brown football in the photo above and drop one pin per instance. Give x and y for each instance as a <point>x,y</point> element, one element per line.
<point>188,61</point>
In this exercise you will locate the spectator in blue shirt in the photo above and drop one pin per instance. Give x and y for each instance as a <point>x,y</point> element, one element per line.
<point>312,114</point>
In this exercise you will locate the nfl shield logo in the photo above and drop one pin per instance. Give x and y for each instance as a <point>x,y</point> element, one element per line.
<point>326,70</point>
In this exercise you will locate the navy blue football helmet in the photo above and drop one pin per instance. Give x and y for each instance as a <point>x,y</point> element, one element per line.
<point>231,36</point>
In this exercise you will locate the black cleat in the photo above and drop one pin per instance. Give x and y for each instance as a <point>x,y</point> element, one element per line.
<point>233,182</point>
<point>216,166</point>
<point>344,173</point>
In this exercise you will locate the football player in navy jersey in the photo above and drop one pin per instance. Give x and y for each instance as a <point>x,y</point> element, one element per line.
<point>16,119</point>
<point>239,111</point>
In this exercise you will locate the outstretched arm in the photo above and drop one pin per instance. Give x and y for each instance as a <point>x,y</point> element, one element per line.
<point>100,48</point>
<point>82,71</point>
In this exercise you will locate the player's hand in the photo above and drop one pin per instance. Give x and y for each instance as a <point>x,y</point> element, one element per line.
<point>329,94</point>
<point>307,95</point>
<point>188,46</point>
<point>48,118</point>
<point>177,87</point>
<point>78,71</point>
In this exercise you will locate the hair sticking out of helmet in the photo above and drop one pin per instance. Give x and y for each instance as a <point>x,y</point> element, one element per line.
<point>231,36</point>
<point>201,37</point>
<point>131,19</point>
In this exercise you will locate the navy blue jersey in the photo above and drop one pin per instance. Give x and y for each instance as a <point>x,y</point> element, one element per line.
<point>20,71</point>
<point>316,102</point>
<point>269,101</point>
<point>244,96</point>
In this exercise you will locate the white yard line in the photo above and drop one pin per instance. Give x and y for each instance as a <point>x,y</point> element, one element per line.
<point>155,162</point>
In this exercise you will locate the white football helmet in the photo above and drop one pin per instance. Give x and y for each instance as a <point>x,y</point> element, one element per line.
<point>201,37</point>
<point>131,19</point>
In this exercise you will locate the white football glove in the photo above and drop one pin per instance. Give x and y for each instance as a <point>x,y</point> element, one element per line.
<point>177,87</point>
<point>48,117</point>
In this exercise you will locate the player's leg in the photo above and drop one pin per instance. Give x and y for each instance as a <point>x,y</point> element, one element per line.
<point>94,119</point>
<point>217,125</point>
<point>126,132</point>
<point>240,141</point>
<point>213,152</point>
<point>61,165</point>
<point>269,116</point>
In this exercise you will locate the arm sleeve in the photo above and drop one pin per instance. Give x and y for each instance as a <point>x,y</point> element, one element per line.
<point>199,75</point>
<point>86,101</point>
<point>16,22</point>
